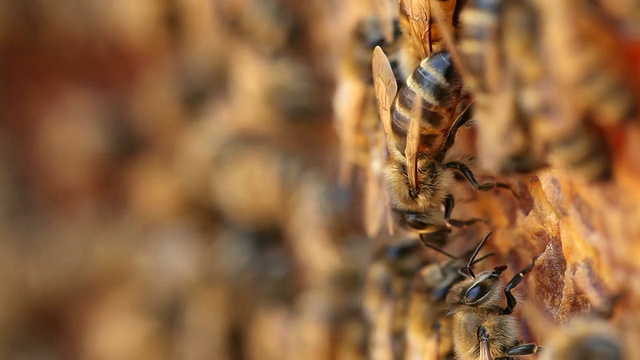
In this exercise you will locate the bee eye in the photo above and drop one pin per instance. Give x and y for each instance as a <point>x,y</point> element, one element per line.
<point>414,222</point>
<point>475,293</point>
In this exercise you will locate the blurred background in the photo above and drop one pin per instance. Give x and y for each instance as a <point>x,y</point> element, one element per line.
<point>167,175</point>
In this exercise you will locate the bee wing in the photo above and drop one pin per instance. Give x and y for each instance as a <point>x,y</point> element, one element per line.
<point>385,86</point>
<point>413,142</point>
<point>387,13</point>
<point>418,21</point>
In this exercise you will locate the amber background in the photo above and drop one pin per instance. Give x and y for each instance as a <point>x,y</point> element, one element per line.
<point>168,175</point>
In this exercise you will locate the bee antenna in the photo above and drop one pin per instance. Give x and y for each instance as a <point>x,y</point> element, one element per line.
<point>482,258</point>
<point>427,244</point>
<point>467,271</point>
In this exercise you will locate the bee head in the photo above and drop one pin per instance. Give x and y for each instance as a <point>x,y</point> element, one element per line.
<point>482,291</point>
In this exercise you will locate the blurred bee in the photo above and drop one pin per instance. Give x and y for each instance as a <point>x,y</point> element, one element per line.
<point>516,92</point>
<point>595,334</point>
<point>481,328</point>
<point>428,326</point>
<point>587,336</point>
<point>421,122</point>
<point>386,296</point>
<point>492,83</point>
<point>595,87</point>
<point>584,338</point>
<point>358,125</point>
<point>625,16</point>
<point>492,79</point>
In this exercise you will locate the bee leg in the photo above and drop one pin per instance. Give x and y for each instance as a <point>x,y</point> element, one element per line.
<point>466,172</point>
<point>460,121</point>
<point>449,203</point>
<point>525,349</point>
<point>511,300</point>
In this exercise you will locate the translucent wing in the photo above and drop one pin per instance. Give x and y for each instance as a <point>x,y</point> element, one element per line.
<point>385,86</point>
<point>413,144</point>
<point>415,19</point>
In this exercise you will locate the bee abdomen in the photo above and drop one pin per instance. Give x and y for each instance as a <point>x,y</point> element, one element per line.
<point>432,81</point>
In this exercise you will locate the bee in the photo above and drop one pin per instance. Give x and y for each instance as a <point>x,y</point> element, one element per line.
<point>420,122</point>
<point>481,328</point>
<point>386,295</point>
<point>428,326</point>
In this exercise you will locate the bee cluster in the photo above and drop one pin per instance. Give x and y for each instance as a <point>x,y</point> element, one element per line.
<point>530,90</point>
<point>289,179</point>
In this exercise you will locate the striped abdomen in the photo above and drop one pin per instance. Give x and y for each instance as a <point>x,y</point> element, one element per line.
<point>437,83</point>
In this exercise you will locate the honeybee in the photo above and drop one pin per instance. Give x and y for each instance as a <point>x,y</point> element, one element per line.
<point>481,328</point>
<point>420,130</point>
<point>386,296</point>
<point>428,326</point>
